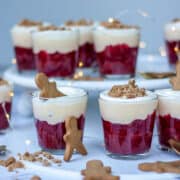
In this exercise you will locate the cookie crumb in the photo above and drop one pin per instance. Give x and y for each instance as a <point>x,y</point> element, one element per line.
<point>35,178</point>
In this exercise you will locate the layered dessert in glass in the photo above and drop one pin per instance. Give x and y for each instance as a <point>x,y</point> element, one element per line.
<point>168,122</point>
<point>22,41</point>
<point>128,115</point>
<point>172,40</point>
<point>50,115</point>
<point>55,50</point>
<point>5,105</point>
<point>116,47</point>
<point>86,52</point>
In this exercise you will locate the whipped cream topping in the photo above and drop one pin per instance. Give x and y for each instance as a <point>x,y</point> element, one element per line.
<point>63,41</point>
<point>124,110</point>
<point>172,31</point>
<point>22,35</point>
<point>56,110</point>
<point>169,102</point>
<point>85,34</point>
<point>5,93</point>
<point>104,37</point>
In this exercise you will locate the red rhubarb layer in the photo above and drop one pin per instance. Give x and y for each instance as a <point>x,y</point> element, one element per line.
<point>5,108</point>
<point>24,58</point>
<point>172,48</point>
<point>129,139</point>
<point>168,128</point>
<point>118,59</point>
<point>56,64</point>
<point>51,136</point>
<point>86,55</point>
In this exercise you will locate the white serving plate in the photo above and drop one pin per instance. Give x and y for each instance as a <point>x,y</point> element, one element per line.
<point>146,63</point>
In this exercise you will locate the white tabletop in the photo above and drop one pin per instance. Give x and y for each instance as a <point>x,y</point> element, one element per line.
<point>23,129</point>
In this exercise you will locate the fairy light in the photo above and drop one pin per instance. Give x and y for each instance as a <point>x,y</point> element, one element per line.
<point>27,143</point>
<point>142,44</point>
<point>162,51</point>
<point>110,20</point>
<point>176,49</point>
<point>173,28</point>
<point>13,61</point>
<point>80,74</point>
<point>80,64</point>
<point>7,116</point>
<point>11,94</point>
<point>143,13</point>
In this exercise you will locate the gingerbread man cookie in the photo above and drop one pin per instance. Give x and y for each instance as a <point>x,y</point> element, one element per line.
<point>161,167</point>
<point>73,139</point>
<point>175,81</point>
<point>95,170</point>
<point>175,145</point>
<point>47,89</point>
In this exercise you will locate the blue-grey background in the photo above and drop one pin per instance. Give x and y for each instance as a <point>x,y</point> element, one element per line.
<point>56,11</point>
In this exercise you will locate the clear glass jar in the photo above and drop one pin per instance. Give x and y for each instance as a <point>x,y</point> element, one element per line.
<point>50,115</point>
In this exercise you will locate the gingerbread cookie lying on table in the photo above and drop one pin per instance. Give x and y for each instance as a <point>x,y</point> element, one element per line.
<point>95,170</point>
<point>161,167</point>
<point>73,139</point>
<point>47,89</point>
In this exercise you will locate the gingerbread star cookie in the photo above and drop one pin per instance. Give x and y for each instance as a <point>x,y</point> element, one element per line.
<point>47,89</point>
<point>175,81</point>
<point>95,170</point>
<point>73,139</point>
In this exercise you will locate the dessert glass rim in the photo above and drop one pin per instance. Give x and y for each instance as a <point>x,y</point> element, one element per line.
<point>169,93</point>
<point>82,93</point>
<point>149,97</point>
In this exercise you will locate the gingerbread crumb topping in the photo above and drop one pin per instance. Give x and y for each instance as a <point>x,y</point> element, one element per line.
<point>28,23</point>
<point>52,27</point>
<point>116,24</point>
<point>176,20</point>
<point>130,90</point>
<point>81,22</point>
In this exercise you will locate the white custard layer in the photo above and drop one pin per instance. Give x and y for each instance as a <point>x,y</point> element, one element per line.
<point>22,36</point>
<point>85,34</point>
<point>5,93</point>
<point>125,111</point>
<point>104,37</point>
<point>64,41</point>
<point>56,110</point>
<point>172,31</point>
<point>169,102</point>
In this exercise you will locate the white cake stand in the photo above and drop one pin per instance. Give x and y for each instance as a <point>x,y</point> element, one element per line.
<point>146,63</point>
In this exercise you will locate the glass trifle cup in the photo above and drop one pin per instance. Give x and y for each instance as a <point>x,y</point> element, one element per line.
<point>6,93</point>
<point>116,47</point>
<point>128,123</point>
<point>86,52</point>
<point>55,50</point>
<point>168,122</point>
<point>22,40</point>
<point>172,40</point>
<point>50,115</point>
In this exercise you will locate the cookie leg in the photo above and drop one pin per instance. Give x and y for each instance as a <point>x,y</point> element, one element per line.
<point>81,149</point>
<point>68,153</point>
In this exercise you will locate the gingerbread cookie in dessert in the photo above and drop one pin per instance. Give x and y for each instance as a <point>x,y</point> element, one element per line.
<point>127,129</point>
<point>52,105</point>
<point>168,111</point>
<point>116,46</point>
